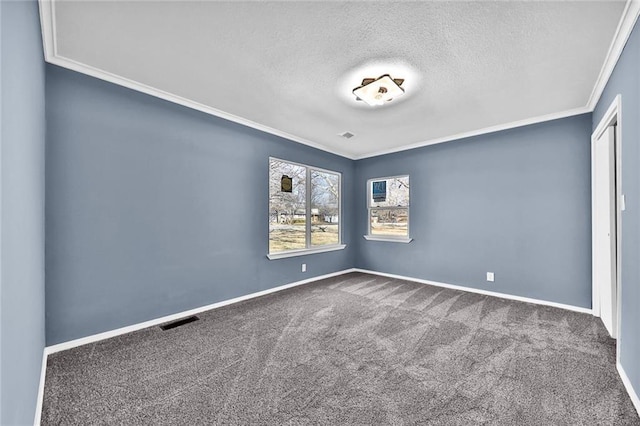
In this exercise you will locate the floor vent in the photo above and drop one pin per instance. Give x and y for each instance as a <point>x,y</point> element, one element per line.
<point>179,322</point>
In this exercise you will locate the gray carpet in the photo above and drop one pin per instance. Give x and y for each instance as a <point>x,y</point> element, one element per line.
<point>355,349</point>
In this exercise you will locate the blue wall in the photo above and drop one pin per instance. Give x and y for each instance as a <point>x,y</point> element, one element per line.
<point>134,206</point>
<point>22,177</point>
<point>137,188</point>
<point>625,80</point>
<point>153,208</point>
<point>516,203</point>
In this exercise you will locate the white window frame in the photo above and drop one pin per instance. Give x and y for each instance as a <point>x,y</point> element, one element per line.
<point>310,249</point>
<point>387,238</point>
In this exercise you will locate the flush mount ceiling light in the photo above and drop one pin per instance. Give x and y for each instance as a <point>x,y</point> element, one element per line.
<point>377,91</point>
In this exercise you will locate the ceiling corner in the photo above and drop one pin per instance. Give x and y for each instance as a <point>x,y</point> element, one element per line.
<point>47,24</point>
<point>623,31</point>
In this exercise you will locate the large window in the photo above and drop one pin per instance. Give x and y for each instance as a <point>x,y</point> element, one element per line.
<point>388,206</point>
<point>304,209</point>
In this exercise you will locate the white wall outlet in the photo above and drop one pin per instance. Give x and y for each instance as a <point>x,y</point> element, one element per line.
<point>623,204</point>
<point>490,276</point>
<point>304,267</point>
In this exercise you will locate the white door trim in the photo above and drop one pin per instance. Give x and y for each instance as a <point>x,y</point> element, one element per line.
<point>612,116</point>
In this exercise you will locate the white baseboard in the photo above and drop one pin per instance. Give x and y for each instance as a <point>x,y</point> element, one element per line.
<point>629,387</point>
<point>139,326</point>
<point>479,291</point>
<point>135,327</point>
<point>108,334</point>
<point>43,373</point>
<point>117,332</point>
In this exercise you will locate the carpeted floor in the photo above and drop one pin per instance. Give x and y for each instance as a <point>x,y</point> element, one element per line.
<point>355,349</point>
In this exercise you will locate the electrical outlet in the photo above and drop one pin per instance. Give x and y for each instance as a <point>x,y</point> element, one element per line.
<point>490,277</point>
<point>304,267</point>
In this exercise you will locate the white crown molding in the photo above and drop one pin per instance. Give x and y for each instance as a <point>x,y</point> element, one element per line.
<point>149,90</point>
<point>626,24</point>
<point>479,291</point>
<point>623,31</point>
<point>483,131</point>
<point>48,25</point>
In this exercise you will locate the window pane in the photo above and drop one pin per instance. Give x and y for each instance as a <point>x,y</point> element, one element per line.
<point>325,208</point>
<point>287,210</point>
<point>393,222</point>
<point>392,192</point>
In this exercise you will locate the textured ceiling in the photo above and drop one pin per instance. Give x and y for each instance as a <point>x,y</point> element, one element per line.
<point>291,65</point>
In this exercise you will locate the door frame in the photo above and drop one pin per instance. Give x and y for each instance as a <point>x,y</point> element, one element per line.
<point>612,116</point>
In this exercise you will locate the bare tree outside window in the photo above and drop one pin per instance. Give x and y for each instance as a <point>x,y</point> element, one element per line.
<point>325,208</point>
<point>389,215</point>
<point>294,225</point>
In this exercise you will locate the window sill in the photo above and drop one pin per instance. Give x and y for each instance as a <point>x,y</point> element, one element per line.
<point>304,252</point>
<point>405,240</point>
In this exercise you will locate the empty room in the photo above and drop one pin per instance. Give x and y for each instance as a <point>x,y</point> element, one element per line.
<point>308,212</point>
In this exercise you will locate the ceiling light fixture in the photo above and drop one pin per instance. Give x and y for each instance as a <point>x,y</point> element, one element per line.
<point>377,91</point>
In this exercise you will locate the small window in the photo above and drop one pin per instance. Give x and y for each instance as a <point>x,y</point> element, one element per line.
<point>304,209</point>
<point>388,207</point>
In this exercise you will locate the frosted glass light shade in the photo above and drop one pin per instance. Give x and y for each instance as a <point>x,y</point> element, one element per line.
<point>379,91</point>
